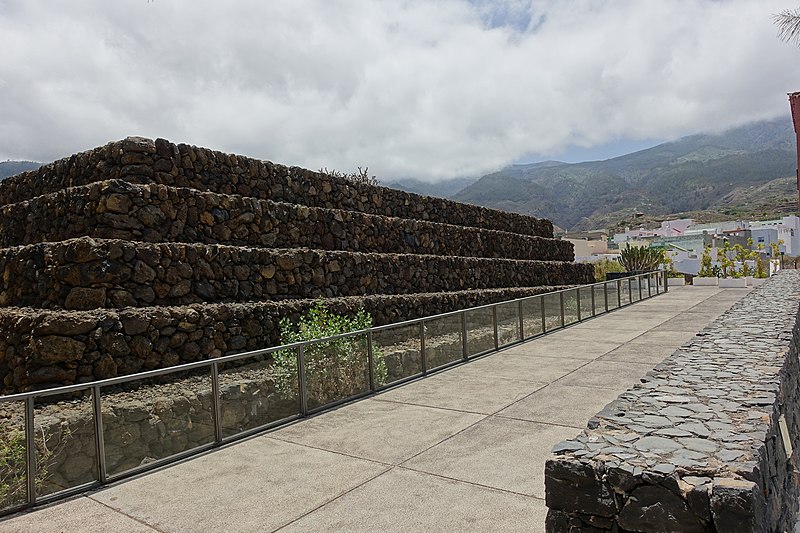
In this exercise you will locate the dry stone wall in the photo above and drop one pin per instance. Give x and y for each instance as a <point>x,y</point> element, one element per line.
<point>45,348</point>
<point>87,274</point>
<point>697,446</point>
<point>116,209</point>
<point>175,253</point>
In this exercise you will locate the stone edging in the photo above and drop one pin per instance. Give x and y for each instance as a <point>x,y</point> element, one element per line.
<point>696,446</point>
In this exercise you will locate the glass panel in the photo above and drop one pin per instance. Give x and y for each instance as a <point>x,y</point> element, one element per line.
<point>336,369</point>
<point>443,341</point>
<point>570,306</point>
<point>532,316</point>
<point>552,311</point>
<point>508,323</point>
<point>148,420</point>
<point>624,292</point>
<point>480,330</point>
<point>66,450</point>
<point>646,286</point>
<point>399,349</point>
<point>257,390</point>
<point>587,308</point>
<point>658,282</point>
<point>599,298</point>
<point>612,289</point>
<point>635,289</point>
<point>13,478</point>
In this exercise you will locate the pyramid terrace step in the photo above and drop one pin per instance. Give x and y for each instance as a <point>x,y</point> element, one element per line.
<point>117,209</point>
<point>87,273</point>
<point>45,348</point>
<point>140,160</point>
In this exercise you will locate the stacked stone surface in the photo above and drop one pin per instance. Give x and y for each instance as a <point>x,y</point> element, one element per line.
<point>175,253</point>
<point>697,445</point>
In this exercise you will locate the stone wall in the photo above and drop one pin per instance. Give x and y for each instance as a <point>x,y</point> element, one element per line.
<point>696,446</point>
<point>41,349</point>
<point>87,274</point>
<point>117,209</point>
<point>139,160</point>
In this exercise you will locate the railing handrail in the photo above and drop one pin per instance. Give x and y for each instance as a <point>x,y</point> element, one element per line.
<point>265,351</point>
<point>102,475</point>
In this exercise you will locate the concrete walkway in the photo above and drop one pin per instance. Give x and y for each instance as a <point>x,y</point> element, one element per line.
<point>463,450</point>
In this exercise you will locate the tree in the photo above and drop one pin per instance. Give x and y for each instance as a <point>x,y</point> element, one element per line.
<point>788,22</point>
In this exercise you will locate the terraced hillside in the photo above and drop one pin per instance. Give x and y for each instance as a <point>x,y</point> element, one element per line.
<point>144,254</point>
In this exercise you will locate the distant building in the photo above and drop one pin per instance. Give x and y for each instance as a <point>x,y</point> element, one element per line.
<point>589,245</point>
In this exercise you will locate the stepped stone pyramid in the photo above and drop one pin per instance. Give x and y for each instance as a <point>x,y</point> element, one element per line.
<point>144,254</point>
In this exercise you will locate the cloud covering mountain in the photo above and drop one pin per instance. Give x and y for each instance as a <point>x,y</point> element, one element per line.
<point>420,89</point>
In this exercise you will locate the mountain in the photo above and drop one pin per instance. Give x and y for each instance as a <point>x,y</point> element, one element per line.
<point>442,189</point>
<point>12,168</point>
<point>691,174</point>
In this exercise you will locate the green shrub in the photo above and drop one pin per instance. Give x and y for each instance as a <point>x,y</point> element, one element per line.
<point>706,270</point>
<point>640,258</point>
<point>335,369</point>
<point>13,465</point>
<point>604,266</point>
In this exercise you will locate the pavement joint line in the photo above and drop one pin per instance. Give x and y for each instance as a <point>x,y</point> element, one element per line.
<point>542,422</point>
<point>348,491</point>
<point>472,483</point>
<point>135,519</point>
<point>337,452</point>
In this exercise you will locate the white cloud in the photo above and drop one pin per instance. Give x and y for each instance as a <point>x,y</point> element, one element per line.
<point>410,88</point>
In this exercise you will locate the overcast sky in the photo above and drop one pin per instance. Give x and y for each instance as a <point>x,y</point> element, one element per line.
<point>425,89</point>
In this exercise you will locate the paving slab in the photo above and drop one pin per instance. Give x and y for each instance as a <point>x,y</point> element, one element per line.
<point>615,375</point>
<point>524,366</point>
<point>257,485</point>
<point>562,404</point>
<point>381,431</point>
<point>79,514</point>
<point>497,452</point>
<point>638,352</point>
<point>560,346</point>
<point>665,337</point>
<point>463,389</point>
<point>406,501</point>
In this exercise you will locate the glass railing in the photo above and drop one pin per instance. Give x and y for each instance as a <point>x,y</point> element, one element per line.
<point>57,442</point>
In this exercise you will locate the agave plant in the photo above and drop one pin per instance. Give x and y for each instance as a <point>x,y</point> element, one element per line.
<point>640,258</point>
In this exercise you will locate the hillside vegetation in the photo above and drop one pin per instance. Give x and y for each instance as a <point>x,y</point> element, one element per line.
<point>741,172</point>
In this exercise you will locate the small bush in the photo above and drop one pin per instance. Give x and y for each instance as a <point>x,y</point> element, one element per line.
<point>335,369</point>
<point>640,258</point>
<point>604,266</point>
<point>13,465</point>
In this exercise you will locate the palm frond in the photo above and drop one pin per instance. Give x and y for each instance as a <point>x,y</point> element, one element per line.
<point>788,22</point>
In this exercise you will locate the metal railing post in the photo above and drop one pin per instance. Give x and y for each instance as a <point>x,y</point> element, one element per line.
<point>30,451</point>
<point>494,325</point>
<point>561,300</point>
<point>579,302</point>
<point>216,402</point>
<point>99,437</point>
<point>521,322</point>
<point>619,293</point>
<point>370,361</point>
<point>544,315</point>
<point>605,294</point>
<point>594,302</point>
<point>464,335</point>
<point>666,283</point>
<point>301,379</point>
<point>639,283</point>
<point>422,353</point>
